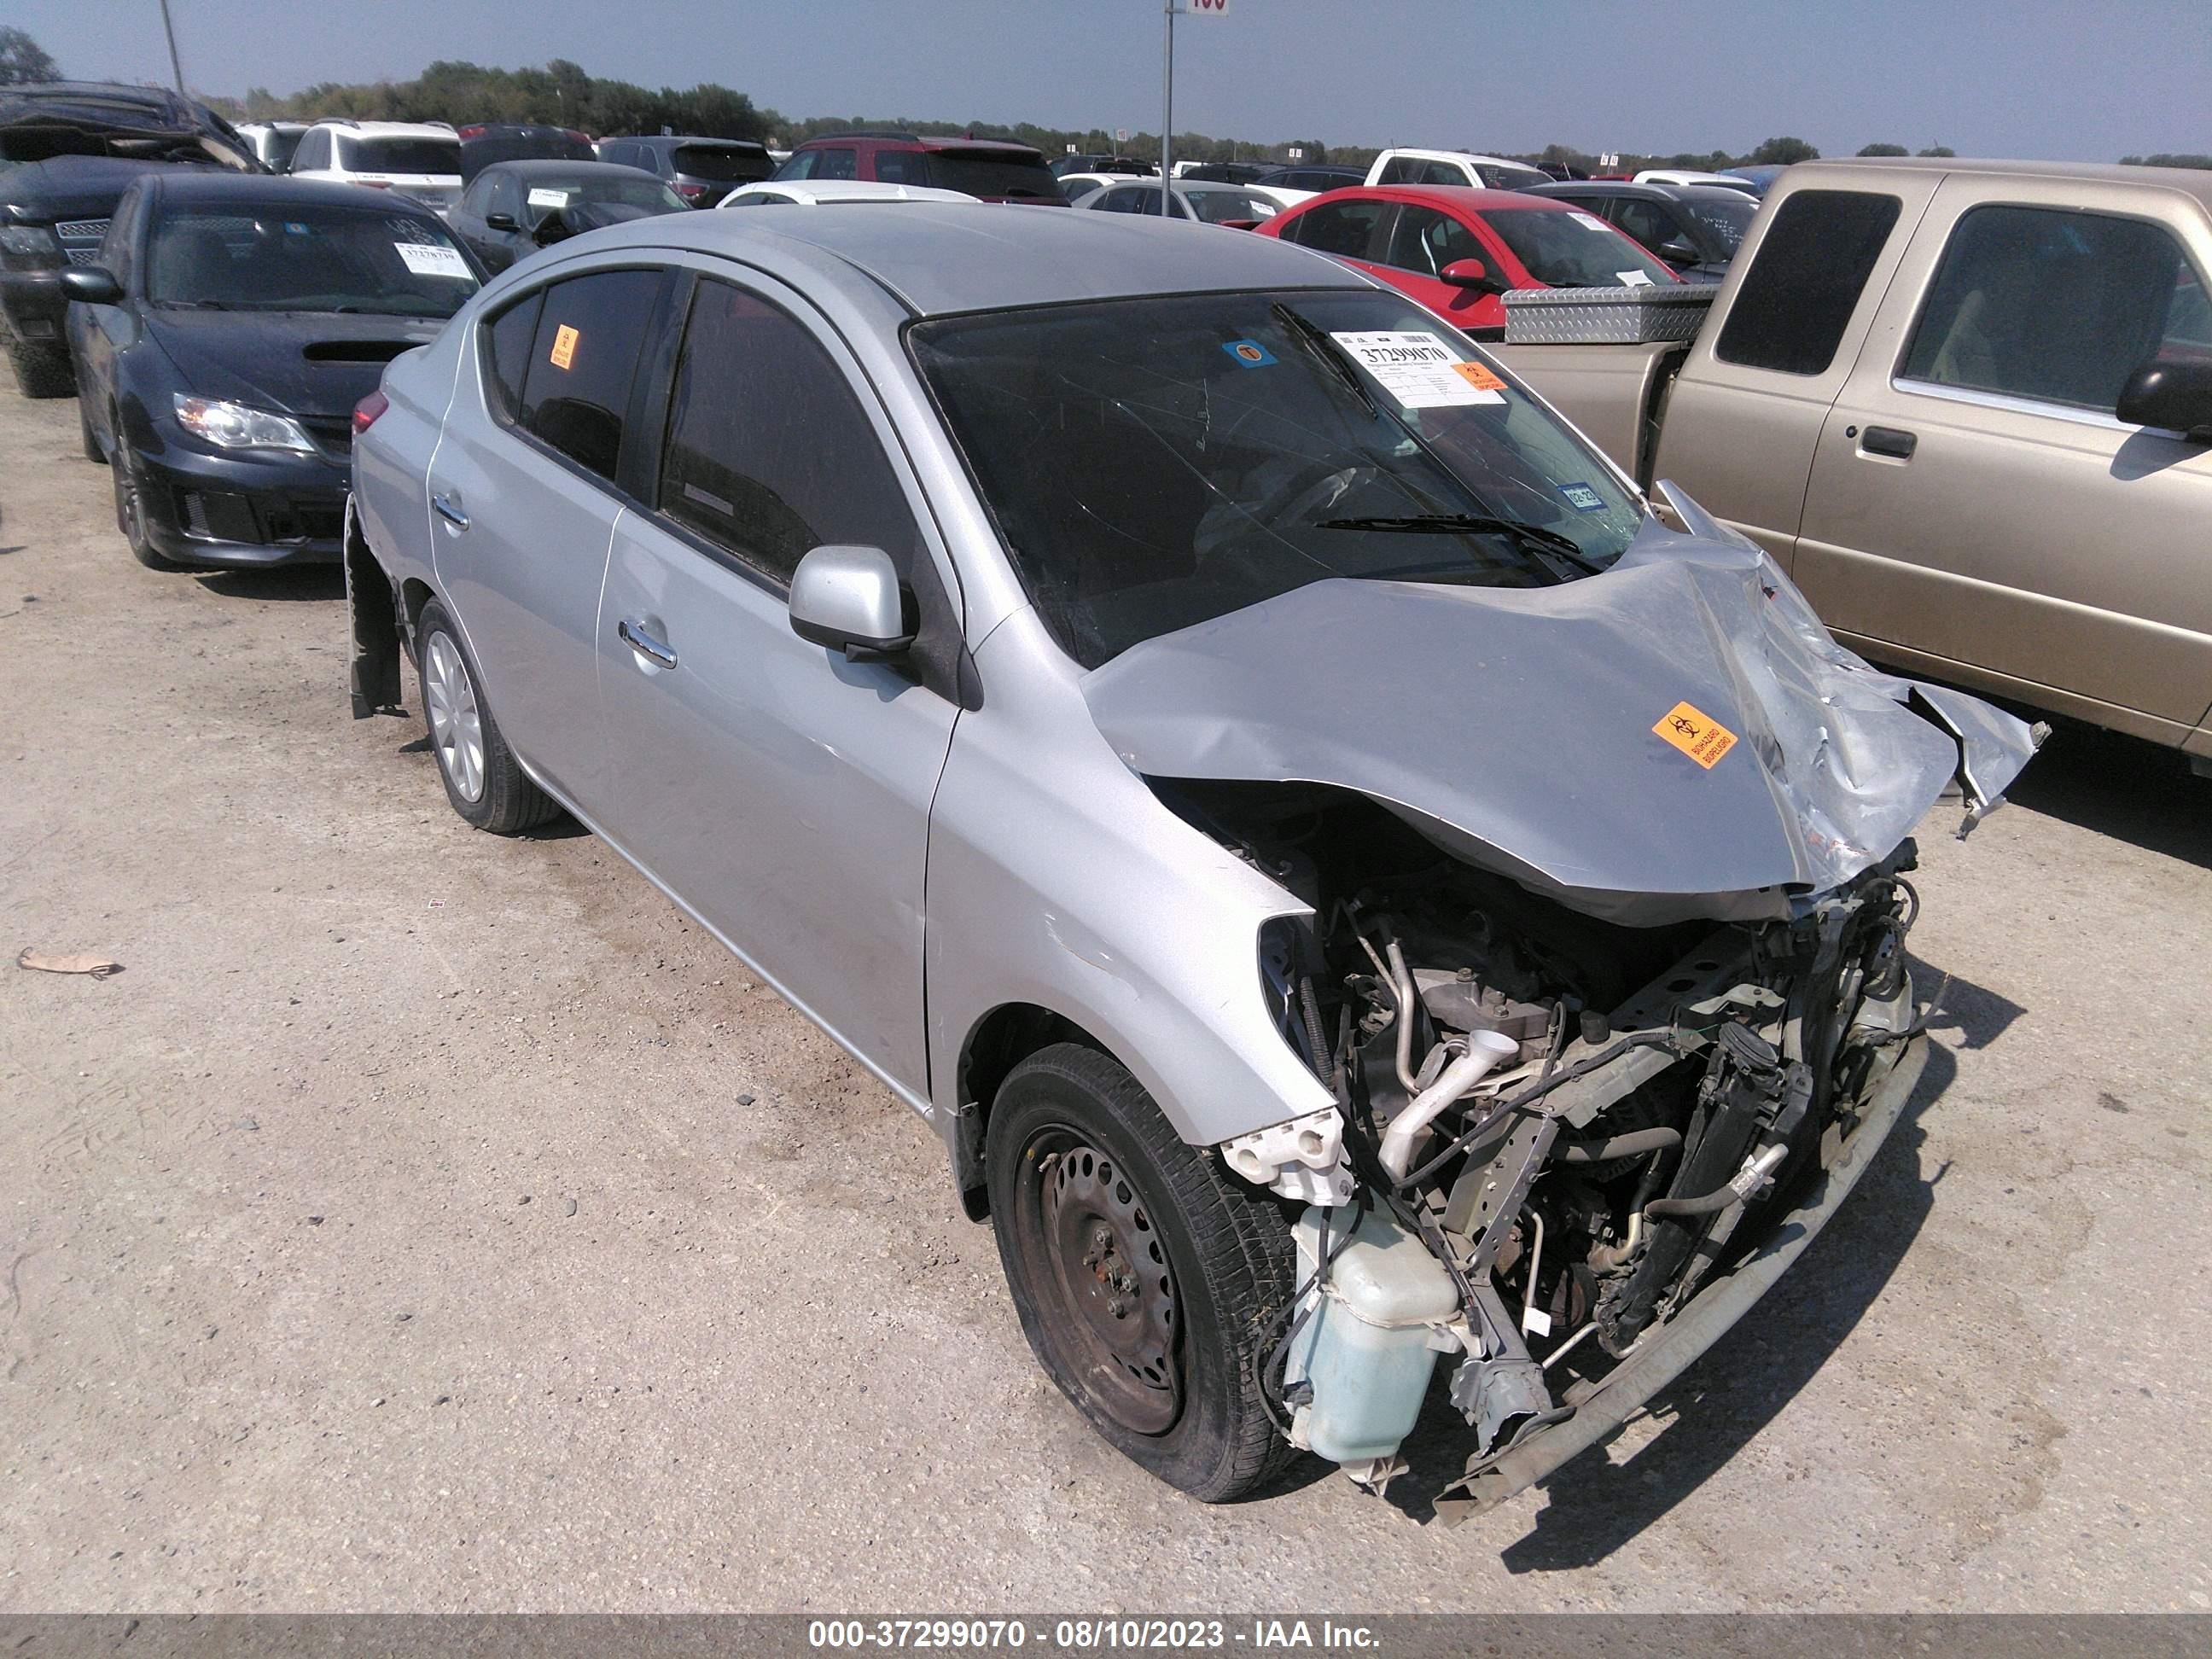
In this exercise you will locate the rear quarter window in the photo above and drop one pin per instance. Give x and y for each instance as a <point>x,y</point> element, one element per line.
<point>1797,298</point>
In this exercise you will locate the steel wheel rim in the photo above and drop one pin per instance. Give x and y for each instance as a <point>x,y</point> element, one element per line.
<point>456,723</point>
<point>1118,1311</point>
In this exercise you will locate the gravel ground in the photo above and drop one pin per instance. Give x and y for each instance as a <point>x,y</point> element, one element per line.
<point>427,1221</point>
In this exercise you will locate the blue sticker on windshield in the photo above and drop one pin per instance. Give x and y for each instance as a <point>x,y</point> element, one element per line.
<point>1582,498</point>
<point>1249,353</point>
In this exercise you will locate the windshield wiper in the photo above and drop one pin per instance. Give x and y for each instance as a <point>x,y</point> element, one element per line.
<point>1473,524</point>
<point>1314,338</point>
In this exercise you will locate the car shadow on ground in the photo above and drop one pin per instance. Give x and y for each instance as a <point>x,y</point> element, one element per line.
<point>2139,792</point>
<point>1594,1506</point>
<point>309,581</point>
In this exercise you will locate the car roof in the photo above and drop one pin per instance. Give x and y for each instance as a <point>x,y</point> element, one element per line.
<point>816,191</point>
<point>2189,181</point>
<point>1465,198</point>
<point>531,167</point>
<point>950,258</point>
<point>889,141</point>
<point>1462,156</point>
<point>1574,190</point>
<point>389,129</point>
<point>180,185</point>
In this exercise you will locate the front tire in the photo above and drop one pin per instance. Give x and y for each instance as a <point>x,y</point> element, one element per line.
<point>131,515</point>
<point>484,782</point>
<point>1150,1282</point>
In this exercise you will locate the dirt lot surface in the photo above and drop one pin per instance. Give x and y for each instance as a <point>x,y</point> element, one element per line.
<point>424,1220</point>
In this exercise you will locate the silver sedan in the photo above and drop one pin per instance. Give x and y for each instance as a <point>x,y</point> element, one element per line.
<point>1352,888</point>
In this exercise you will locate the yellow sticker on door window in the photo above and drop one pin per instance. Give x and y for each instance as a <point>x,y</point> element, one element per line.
<point>1479,376</point>
<point>564,346</point>
<point>1696,733</point>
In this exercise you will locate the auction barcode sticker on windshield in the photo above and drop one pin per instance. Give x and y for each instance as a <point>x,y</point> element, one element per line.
<point>425,260</point>
<point>1417,368</point>
<point>549,198</point>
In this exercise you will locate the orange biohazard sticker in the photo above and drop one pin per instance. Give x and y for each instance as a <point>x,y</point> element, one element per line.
<point>1479,376</point>
<point>564,346</point>
<point>1696,733</point>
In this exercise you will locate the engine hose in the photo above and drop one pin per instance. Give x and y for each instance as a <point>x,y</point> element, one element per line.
<point>1631,1144</point>
<point>1747,1181</point>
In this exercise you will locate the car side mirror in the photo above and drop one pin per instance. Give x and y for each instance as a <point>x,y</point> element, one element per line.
<point>850,599</point>
<point>2174,393</point>
<point>95,285</point>
<point>1469,273</point>
<point>500,222</point>
<point>1677,253</point>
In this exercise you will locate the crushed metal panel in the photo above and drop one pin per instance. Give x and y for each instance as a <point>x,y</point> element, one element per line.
<point>1515,726</point>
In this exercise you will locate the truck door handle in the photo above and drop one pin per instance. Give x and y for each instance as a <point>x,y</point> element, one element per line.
<point>1889,440</point>
<point>644,644</point>
<point>450,512</point>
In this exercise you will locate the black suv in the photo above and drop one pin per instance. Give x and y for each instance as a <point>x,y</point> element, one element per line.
<point>74,146</point>
<point>702,171</point>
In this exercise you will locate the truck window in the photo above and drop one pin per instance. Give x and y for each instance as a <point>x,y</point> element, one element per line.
<point>1797,298</point>
<point>2050,304</point>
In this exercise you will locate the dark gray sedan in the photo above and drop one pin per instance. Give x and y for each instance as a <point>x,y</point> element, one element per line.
<point>1695,228</point>
<point>512,209</point>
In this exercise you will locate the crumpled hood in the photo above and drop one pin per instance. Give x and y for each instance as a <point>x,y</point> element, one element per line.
<point>261,357</point>
<point>1515,727</point>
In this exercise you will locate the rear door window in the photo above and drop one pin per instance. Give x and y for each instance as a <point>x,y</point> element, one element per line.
<point>505,353</point>
<point>838,163</point>
<point>1344,228</point>
<point>2050,304</point>
<point>1797,298</point>
<point>589,337</point>
<point>1425,241</point>
<point>769,453</point>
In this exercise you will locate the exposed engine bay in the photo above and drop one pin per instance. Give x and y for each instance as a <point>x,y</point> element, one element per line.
<point>1551,1130</point>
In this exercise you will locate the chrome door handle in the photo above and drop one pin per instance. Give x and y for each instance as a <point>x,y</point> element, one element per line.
<point>452,514</point>
<point>644,644</point>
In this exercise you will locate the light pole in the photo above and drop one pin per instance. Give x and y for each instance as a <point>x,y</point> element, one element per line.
<point>176,63</point>
<point>1167,115</point>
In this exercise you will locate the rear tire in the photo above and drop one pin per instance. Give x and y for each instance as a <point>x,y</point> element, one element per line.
<point>1149,1281</point>
<point>484,782</point>
<point>42,369</point>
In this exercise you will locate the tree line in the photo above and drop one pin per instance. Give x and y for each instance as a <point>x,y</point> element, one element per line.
<point>561,94</point>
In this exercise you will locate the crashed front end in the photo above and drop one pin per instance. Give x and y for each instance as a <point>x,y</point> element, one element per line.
<point>1613,999</point>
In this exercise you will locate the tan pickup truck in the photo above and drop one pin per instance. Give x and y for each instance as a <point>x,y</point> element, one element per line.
<point>1968,406</point>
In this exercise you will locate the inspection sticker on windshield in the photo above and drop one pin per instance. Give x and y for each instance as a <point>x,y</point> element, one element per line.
<point>549,198</point>
<point>425,260</point>
<point>564,347</point>
<point>1417,368</point>
<point>1249,353</point>
<point>1696,733</point>
<point>1582,498</point>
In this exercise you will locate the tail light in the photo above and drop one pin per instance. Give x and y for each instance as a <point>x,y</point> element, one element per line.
<point>474,129</point>
<point>580,137</point>
<point>691,193</point>
<point>366,412</point>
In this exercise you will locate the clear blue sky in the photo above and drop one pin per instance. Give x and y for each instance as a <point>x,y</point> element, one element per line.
<point>2088,80</point>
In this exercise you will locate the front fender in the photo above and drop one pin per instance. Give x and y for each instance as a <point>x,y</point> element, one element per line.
<point>1058,879</point>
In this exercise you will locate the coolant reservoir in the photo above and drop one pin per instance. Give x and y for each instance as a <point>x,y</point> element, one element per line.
<point>1366,1348</point>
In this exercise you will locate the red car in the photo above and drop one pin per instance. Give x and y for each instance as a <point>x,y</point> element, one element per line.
<point>981,167</point>
<point>1457,250</point>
